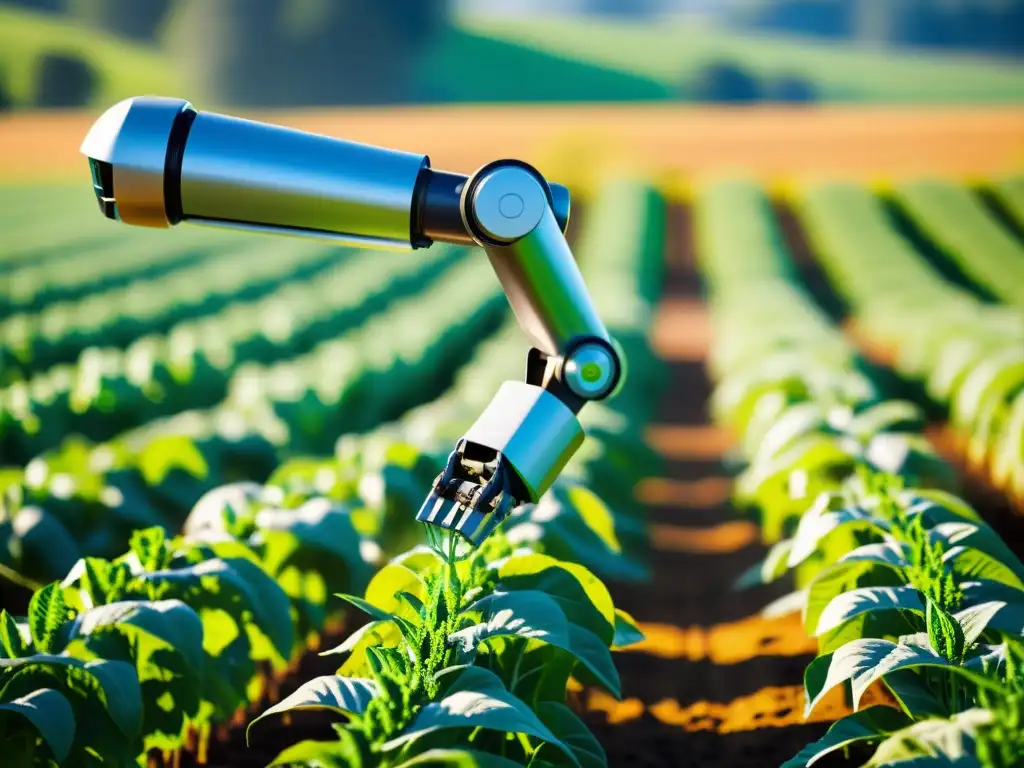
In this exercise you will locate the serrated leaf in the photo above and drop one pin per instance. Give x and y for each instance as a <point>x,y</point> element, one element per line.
<point>10,638</point>
<point>345,695</point>
<point>51,715</point>
<point>944,633</point>
<point>47,613</point>
<point>478,699</point>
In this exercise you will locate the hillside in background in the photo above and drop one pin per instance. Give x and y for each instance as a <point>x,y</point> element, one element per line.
<point>276,53</point>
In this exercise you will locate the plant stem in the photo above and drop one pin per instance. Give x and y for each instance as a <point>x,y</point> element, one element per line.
<point>16,578</point>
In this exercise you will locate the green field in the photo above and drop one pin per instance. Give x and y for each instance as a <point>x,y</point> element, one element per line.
<point>125,69</point>
<point>485,59</point>
<point>215,445</point>
<point>673,53</point>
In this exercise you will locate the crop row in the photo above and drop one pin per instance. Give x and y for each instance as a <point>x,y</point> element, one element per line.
<point>472,649</point>
<point>109,390</point>
<point>241,270</point>
<point>90,496</point>
<point>917,605</point>
<point>965,235</point>
<point>968,355</point>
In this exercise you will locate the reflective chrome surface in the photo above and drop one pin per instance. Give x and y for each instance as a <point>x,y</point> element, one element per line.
<point>131,138</point>
<point>508,203</point>
<point>545,288</point>
<point>278,179</point>
<point>590,370</point>
<point>533,430</point>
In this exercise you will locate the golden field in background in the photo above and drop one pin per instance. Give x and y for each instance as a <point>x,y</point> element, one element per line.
<point>571,142</point>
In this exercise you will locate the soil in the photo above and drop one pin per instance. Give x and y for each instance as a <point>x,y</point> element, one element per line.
<point>564,140</point>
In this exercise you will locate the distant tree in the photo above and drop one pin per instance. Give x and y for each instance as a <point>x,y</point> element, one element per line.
<point>37,5</point>
<point>138,19</point>
<point>64,80</point>
<point>793,89</point>
<point>726,82</point>
<point>303,52</point>
<point>6,97</point>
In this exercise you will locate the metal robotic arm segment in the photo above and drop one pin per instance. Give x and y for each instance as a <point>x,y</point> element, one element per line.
<point>158,162</point>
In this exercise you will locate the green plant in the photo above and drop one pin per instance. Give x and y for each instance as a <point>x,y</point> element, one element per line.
<point>468,648</point>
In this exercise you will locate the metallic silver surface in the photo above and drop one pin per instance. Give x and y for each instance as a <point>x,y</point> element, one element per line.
<point>277,179</point>
<point>545,288</point>
<point>132,136</point>
<point>533,430</point>
<point>561,203</point>
<point>508,203</point>
<point>589,371</point>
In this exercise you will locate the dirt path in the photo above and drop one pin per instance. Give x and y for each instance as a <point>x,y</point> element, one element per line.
<point>714,684</point>
<point>569,141</point>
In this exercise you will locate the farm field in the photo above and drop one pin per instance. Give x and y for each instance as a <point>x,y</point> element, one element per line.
<point>805,508</point>
<point>569,142</point>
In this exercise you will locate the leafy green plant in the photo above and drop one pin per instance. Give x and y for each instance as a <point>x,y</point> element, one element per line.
<point>465,648</point>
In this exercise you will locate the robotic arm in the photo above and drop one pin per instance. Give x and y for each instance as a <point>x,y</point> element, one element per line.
<point>158,162</point>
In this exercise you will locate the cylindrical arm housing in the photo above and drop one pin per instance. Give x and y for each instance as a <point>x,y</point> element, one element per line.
<point>157,162</point>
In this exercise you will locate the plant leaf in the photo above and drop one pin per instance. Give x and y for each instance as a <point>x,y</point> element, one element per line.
<point>458,758</point>
<point>342,752</point>
<point>535,615</point>
<point>995,614</point>
<point>10,638</point>
<point>322,524</point>
<point>870,724</point>
<point>548,572</point>
<point>816,525</point>
<point>378,615</point>
<point>51,715</point>
<point>862,662</point>
<point>908,689</point>
<point>572,731</point>
<point>47,613</point>
<point>388,582</point>
<point>627,632</point>
<point>346,695</point>
<point>944,633</point>
<point>117,680</point>
<point>976,551</point>
<point>939,742</point>
<point>170,621</point>
<point>848,605</point>
<point>478,699</point>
